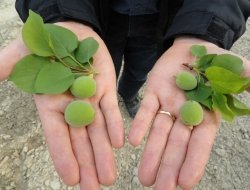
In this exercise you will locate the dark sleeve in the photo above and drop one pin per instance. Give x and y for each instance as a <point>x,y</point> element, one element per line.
<point>60,10</point>
<point>219,21</point>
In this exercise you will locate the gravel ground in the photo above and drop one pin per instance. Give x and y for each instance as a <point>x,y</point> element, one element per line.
<point>26,165</point>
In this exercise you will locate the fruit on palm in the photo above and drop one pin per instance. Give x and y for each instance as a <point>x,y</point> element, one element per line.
<point>79,113</point>
<point>186,81</point>
<point>191,113</point>
<point>83,87</point>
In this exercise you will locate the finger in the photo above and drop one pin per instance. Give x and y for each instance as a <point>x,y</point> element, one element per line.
<point>104,157</point>
<point>59,145</point>
<point>9,56</point>
<point>151,157</point>
<point>173,157</point>
<point>143,118</point>
<point>113,118</point>
<point>199,148</point>
<point>85,158</point>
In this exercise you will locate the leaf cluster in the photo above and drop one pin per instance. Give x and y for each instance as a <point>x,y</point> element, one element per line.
<point>219,81</point>
<point>57,58</point>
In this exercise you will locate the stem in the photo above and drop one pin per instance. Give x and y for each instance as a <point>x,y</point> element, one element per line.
<point>93,69</point>
<point>188,66</point>
<point>89,71</point>
<point>84,70</point>
<point>72,68</point>
<point>77,62</point>
<point>63,62</point>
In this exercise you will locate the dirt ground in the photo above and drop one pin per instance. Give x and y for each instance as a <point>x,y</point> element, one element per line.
<point>26,165</point>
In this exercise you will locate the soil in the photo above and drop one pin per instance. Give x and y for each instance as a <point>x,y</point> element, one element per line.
<point>25,163</point>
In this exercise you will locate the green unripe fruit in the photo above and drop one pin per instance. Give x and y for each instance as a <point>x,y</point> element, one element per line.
<point>191,113</point>
<point>79,113</point>
<point>186,81</point>
<point>83,87</point>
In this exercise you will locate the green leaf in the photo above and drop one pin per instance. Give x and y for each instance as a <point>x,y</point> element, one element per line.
<point>200,93</point>
<point>198,50</point>
<point>208,103</point>
<point>237,106</point>
<point>63,41</point>
<point>229,62</point>
<point>220,104</point>
<point>224,81</point>
<point>26,70</point>
<point>35,36</point>
<point>205,61</point>
<point>54,79</point>
<point>86,49</point>
<point>70,62</point>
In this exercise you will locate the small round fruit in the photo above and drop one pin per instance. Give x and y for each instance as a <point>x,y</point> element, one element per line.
<point>191,113</point>
<point>79,113</point>
<point>83,87</point>
<point>186,81</point>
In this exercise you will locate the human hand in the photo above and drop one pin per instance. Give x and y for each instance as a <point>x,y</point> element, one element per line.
<point>80,155</point>
<point>174,154</point>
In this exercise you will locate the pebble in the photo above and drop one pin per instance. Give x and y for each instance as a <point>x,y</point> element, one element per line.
<point>25,149</point>
<point>2,163</point>
<point>220,152</point>
<point>246,136</point>
<point>6,137</point>
<point>136,180</point>
<point>135,171</point>
<point>9,188</point>
<point>30,152</point>
<point>133,156</point>
<point>55,184</point>
<point>47,183</point>
<point>1,112</point>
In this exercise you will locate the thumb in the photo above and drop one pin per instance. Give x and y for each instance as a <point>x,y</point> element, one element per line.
<point>10,55</point>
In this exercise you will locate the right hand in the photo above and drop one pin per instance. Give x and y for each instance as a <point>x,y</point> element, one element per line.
<point>80,155</point>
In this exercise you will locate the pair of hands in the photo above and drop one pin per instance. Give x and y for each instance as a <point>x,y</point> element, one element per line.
<point>173,156</point>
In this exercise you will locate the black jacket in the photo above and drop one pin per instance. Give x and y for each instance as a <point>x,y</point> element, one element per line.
<point>219,21</point>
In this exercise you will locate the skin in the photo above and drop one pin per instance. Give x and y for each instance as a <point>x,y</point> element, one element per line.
<point>174,155</point>
<point>80,155</point>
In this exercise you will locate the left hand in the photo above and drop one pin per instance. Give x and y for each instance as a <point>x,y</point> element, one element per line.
<point>174,154</point>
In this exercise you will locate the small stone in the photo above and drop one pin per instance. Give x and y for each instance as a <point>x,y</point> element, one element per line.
<point>25,149</point>
<point>47,182</point>
<point>1,112</point>
<point>133,156</point>
<point>6,137</point>
<point>136,180</point>
<point>220,152</point>
<point>55,185</point>
<point>135,171</point>
<point>246,136</point>
<point>30,152</point>
<point>2,163</point>
<point>9,188</point>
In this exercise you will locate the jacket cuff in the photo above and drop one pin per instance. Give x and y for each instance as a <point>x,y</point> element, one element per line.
<point>59,10</point>
<point>49,11</point>
<point>204,25</point>
<point>81,11</point>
